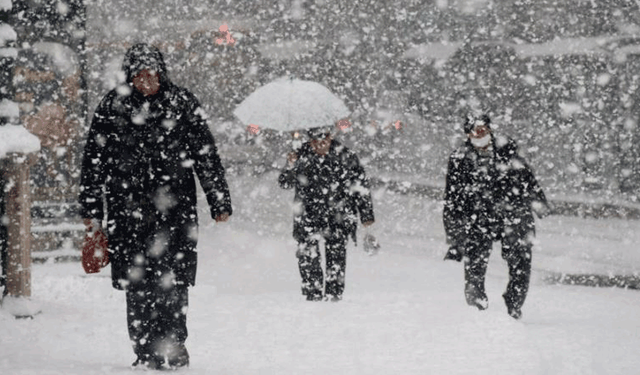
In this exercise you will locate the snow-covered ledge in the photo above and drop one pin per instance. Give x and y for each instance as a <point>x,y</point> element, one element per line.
<point>7,34</point>
<point>5,5</point>
<point>15,139</point>
<point>21,307</point>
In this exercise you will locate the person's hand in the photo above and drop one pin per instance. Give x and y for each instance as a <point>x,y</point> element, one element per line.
<point>368,223</point>
<point>92,225</point>
<point>542,209</point>
<point>454,253</point>
<point>223,217</point>
<point>292,157</point>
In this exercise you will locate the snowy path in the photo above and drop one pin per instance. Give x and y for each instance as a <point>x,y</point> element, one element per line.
<point>403,312</point>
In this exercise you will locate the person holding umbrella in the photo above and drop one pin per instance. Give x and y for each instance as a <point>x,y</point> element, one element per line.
<point>331,190</point>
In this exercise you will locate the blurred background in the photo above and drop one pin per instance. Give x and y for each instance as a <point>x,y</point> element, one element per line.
<point>561,77</point>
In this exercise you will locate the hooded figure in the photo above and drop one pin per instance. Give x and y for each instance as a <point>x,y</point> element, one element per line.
<point>490,195</point>
<point>331,189</point>
<point>148,139</point>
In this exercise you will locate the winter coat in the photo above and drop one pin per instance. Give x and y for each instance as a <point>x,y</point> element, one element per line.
<point>138,170</point>
<point>330,191</point>
<point>487,199</point>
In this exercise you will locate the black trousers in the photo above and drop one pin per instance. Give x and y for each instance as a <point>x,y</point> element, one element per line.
<point>157,319</point>
<point>516,250</point>
<point>4,250</point>
<point>4,255</point>
<point>310,267</point>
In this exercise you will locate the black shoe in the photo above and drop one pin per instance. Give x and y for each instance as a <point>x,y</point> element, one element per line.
<point>480,303</point>
<point>314,297</point>
<point>453,254</point>
<point>179,359</point>
<point>147,364</point>
<point>515,313</point>
<point>336,298</point>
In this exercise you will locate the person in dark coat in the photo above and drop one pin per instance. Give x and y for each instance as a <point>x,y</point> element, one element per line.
<point>490,195</point>
<point>331,189</point>
<point>147,138</point>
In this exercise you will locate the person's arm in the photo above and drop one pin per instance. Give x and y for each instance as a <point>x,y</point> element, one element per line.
<point>453,215</point>
<point>93,169</point>
<point>207,164</point>
<point>360,189</point>
<point>287,178</point>
<point>538,199</point>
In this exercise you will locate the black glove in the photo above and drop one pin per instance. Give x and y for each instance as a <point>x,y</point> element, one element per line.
<point>454,253</point>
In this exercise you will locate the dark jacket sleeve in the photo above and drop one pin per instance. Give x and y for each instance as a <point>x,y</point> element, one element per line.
<point>537,198</point>
<point>287,178</point>
<point>93,172</point>
<point>453,214</point>
<point>207,164</point>
<point>361,190</point>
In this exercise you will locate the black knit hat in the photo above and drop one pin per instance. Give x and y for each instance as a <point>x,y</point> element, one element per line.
<point>472,121</point>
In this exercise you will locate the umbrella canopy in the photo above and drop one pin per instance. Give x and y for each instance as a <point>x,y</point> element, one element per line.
<point>291,104</point>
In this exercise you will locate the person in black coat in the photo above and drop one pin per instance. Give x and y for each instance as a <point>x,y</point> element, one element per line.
<point>146,140</point>
<point>331,189</point>
<point>490,194</point>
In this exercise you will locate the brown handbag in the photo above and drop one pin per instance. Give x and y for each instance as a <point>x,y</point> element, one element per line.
<point>95,255</point>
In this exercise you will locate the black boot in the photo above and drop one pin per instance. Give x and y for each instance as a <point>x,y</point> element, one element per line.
<point>476,297</point>
<point>180,358</point>
<point>512,310</point>
<point>480,303</point>
<point>147,363</point>
<point>314,296</point>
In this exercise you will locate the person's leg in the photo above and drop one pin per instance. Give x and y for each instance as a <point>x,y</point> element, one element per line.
<point>157,321</point>
<point>3,260</point>
<point>310,269</point>
<point>336,253</point>
<point>171,324</point>
<point>3,243</point>
<point>516,250</point>
<point>141,323</point>
<point>477,253</point>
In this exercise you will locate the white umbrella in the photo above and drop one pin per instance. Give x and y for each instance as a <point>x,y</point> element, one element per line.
<point>291,104</point>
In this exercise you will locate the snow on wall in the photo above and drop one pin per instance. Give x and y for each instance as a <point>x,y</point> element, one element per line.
<point>9,109</point>
<point>9,52</point>
<point>5,5</point>
<point>63,58</point>
<point>15,138</point>
<point>6,33</point>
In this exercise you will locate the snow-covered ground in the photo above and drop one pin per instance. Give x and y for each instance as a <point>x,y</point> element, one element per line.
<point>403,311</point>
